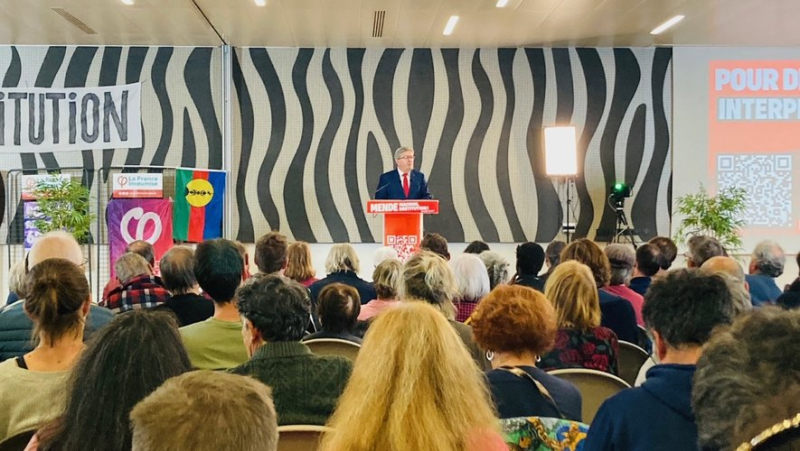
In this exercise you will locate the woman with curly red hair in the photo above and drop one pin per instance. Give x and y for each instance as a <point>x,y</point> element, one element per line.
<point>516,325</point>
<point>581,342</point>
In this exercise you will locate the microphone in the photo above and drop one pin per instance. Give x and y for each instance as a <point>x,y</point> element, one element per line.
<point>381,189</point>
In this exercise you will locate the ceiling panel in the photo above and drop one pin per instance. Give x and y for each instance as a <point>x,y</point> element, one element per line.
<point>408,23</point>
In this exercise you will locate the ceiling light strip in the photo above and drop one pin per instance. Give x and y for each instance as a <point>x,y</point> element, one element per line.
<point>664,26</point>
<point>451,25</point>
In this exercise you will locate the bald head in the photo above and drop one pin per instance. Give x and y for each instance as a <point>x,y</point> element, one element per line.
<point>144,249</point>
<point>57,244</point>
<point>726,265</point>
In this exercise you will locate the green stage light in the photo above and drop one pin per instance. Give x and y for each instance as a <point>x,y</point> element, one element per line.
<point>620,190</point>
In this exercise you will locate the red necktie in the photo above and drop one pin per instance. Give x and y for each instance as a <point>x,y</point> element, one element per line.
<point>406,188</point>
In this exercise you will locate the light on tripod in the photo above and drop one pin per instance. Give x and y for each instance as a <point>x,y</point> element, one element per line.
<point>561,151</point>
<point>620,191</point>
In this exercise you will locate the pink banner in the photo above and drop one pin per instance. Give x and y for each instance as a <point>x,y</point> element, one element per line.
<point>139,219</point>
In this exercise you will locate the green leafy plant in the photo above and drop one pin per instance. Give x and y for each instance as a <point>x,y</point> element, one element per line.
<point>719,216</point>
<point>64,205</point>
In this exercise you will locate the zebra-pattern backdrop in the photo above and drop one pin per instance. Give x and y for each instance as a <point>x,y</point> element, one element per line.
<point>181,104</point>
<point>314,129</point>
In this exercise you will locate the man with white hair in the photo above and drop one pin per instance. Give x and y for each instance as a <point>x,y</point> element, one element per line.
<point>15,326</point>
<point>403,182</point>
<point>766,263</point>
<point>139,288</point>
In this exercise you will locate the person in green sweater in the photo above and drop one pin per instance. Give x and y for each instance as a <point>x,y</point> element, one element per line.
<point>305,387</point>
<point>216,343</point>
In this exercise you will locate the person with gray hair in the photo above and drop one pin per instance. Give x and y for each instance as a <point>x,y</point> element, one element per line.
<point>732,272</point>
<point>343,266</point>
<point>382,254</point>
<point>622,259</point>
<point>766,263</point>
<point>139,287</point>
<point>496,266</point>
<point>140,247</point>
<point>185,302</point>
<point>701,248</point>
<point>403,182</point>
<point>472,280</point>
<point>16,282</point>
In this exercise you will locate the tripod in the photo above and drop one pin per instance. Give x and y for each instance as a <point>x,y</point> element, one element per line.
<point>622,229</point>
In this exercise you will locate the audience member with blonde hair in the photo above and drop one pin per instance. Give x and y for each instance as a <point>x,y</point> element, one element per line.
<point>580,341</point>
<point>413,388</point>
<point>472,281</point>
<point>298,264</point>
<point>427,277</point>
<point>386,280</point>
<point>617,313</point>
<point>238,408</point>
<point>33,386</point>
<point>517,324</point>
<point>342,266</point>
<point>383,253</point>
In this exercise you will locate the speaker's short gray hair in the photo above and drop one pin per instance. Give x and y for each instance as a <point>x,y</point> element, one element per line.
<point>400,151</point>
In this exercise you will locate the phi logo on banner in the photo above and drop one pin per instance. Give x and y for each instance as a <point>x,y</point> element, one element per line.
<point>142,217</point>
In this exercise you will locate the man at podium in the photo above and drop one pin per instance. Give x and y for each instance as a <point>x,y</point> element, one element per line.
<point>404,182</point>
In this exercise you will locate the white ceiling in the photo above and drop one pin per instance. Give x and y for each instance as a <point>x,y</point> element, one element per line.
<point>408,23</point>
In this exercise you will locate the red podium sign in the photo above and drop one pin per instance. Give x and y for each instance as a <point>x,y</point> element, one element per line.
<point>402,222</point>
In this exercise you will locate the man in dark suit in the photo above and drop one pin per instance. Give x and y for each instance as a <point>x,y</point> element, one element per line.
<point>403,182</point>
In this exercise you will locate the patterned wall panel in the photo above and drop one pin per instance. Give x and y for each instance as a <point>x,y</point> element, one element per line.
<point>314,128</point>
<point>181,103</point>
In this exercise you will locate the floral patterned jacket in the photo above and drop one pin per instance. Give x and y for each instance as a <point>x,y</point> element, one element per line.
<point>593,349</point>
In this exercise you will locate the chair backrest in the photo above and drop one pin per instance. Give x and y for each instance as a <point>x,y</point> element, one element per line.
<point>334,346</point>
<point>540,434</point>
<point>301,437</point>
<point>17,442</point>
<point>595,387</point>
<point>644,340</point>
<point>631,359</point>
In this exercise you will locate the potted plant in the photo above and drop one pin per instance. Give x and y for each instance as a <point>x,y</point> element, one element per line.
<point>719,216</point>
<point>63,204</point>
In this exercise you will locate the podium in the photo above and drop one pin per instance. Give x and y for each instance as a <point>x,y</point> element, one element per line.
<point>402,222</point>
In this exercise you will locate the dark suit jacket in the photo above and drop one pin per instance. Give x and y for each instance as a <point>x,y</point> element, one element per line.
<point>391,187</point>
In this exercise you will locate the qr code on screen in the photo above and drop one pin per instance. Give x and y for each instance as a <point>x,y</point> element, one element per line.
<point>767,179</point>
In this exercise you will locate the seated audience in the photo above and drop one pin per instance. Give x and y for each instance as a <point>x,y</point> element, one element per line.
<point>701,248</point>
<point>386,280</point>
<point>32,386</point>
<point>298,264</point>
<point>383,253</point>
<point>681,310</point>
<point>428,278</point>
<point>552,257</point>
<point>517,325</point>
<point>245,257</point>
<point>342,266</point>
<point>648,263</point>
<point>530,259</point>
<point>472,283</point>
<point>239,408</point>
<point>338,307</point>
<point>435,243</point>
<point>16,327</point>
<point>668,250</point>
<point>127,361</point>
<point>16,282</point>
<point>580,341</point>
<point>185,302</point>
<point>305,387</point>
<point>414,388</point>
<point>617,313</point>
<point>140,247</point>
<point>748,380</point>
<point>622,260</point>
<point>270,255</point>
<point>496,267</point>
<point>790,299</point>
<point>476,247</point>
<point>139,288</point>
<point>216,343</point>
<point>731,271</point>
<point>766,264</point>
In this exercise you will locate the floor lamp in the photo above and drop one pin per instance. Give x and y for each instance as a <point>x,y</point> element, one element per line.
<point>561,160</point>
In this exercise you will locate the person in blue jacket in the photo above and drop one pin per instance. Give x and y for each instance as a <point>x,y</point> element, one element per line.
<point>403,182</point>
<point>681,310</point>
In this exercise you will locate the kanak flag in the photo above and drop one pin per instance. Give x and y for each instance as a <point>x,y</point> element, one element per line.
<point>198,207</point>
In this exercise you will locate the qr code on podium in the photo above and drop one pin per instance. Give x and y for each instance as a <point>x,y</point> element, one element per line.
<point>403,244</point>
<point>767,179</point>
